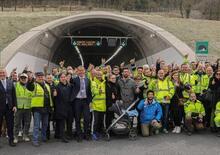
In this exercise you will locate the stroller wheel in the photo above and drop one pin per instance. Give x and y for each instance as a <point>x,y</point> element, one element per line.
<point>107,137</point>
<point>132,135</point>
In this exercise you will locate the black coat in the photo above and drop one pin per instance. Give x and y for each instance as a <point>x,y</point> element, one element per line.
<point>112,88</point>
<point>76,89</point>
<point>62,101</point>
<point>215,89</point>
<point>8,94</point>
<point>178,94</point>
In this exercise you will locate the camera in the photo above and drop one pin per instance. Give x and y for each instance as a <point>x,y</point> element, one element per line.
<point>187,86</point>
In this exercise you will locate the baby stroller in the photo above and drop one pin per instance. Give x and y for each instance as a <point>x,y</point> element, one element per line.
<point>123,123</point>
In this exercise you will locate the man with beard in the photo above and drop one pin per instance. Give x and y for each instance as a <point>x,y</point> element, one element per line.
<point>128,88</point>
<point>150,115</point>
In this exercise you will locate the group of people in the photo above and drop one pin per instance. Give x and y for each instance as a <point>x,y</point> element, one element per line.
<point>171,98</point>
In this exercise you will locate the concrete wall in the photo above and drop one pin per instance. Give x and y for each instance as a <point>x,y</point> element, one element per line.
<point>20,60</point>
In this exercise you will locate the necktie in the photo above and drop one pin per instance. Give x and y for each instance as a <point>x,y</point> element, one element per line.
<point>82,88</point>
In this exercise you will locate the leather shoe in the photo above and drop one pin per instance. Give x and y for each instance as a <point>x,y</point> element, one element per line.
<point>79,139</point>
<point>64,140</point>
<point>12,144</point>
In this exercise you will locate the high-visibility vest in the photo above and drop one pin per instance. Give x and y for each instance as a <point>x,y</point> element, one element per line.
<point>23,96</point>
<point>190,107</point>
<point>99,99</point>
<point>38,96</point>
<point>203,83</point>
<point>188,79</point>
<point>162,88</point>
<point>217,115</point>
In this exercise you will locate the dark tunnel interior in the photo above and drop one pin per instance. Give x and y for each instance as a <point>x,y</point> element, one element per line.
<point>93,54</point>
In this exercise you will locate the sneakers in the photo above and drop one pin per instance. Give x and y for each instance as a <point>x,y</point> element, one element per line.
<point>177,129</point>
<point>20,134</point>
<point>15,140</point>
<point>26,138</point>
<point>165,131</point>
<point>174,130</point>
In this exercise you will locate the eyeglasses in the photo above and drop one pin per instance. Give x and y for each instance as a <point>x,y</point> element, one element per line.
<point>217,73</point>
<point>23,77</point>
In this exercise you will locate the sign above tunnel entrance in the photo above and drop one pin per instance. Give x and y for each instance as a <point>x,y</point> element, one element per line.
<point>86,43</point>
<point>96,41</point>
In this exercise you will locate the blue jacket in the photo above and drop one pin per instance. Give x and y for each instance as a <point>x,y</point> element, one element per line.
<point>149,112</point>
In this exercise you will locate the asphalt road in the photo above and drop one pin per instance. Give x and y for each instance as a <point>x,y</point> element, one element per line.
<point>171,144</point>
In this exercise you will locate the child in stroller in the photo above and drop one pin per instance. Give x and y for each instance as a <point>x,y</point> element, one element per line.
<point>125,121</point>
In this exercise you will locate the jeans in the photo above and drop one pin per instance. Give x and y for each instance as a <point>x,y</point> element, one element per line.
<point>22,114</point>
<point>166,108</point>
<point>40,118</point>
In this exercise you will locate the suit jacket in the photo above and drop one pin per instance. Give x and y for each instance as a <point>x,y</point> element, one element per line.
<point>76,89</point>
<point>8,94</point>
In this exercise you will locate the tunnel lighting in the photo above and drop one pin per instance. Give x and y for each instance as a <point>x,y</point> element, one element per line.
<point>152,35</point>
<point>46,35</point>
<point>80,55</point>
<point>123,44</point>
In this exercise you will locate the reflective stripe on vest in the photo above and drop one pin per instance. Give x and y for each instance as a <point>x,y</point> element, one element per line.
<point>23,97</point>
<point>157,86</point>
<point>38,98</point>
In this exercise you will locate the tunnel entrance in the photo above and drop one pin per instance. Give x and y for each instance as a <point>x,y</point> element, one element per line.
<point>109,38</point>
<point>45,44</point>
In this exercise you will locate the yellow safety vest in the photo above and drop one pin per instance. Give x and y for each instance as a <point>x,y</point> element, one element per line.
<point>99,99</point>
<point>23,96</point>
<point>162,89</point>
<point>217,115</point>
<point>38,96</point>
<point>188,79</point>
<point>203,83</point>
<point>190,107</point>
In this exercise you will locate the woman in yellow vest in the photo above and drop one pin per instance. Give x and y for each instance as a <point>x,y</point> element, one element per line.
<point>98,87</point>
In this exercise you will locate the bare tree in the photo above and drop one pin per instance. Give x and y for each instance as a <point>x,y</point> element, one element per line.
<point>15,4</point>
<point>2,4</point>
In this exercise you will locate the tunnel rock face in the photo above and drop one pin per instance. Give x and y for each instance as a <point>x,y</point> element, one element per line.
<point>51,42</point>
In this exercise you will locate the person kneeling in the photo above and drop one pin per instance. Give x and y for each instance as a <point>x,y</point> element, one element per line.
<point>194,113</point>
<point>150,115</point>
<point>217,118</point>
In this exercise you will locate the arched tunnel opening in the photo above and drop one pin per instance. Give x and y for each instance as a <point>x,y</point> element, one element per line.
<point>52,42</point>
<point>110,40</point>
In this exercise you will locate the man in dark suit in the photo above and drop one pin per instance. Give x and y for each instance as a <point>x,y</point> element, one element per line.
<point>8,103</point>
<point>81,97</point>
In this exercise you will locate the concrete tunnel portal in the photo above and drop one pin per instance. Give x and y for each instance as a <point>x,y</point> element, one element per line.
<point>109,40</point>
<point>97,35</point>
